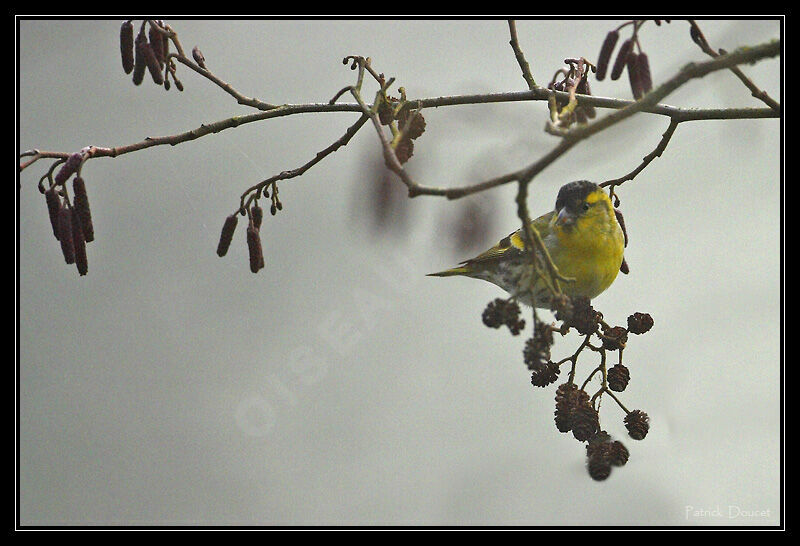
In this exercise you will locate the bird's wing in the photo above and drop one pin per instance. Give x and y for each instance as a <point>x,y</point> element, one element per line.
<point>513,243</point>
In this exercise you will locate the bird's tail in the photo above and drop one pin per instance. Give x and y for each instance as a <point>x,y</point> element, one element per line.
<point>462,270</point>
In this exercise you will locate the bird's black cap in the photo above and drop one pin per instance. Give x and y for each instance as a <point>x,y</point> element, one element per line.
<point>574,192</point>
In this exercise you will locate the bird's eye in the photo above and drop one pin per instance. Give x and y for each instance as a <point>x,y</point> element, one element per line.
<point>586,206</point>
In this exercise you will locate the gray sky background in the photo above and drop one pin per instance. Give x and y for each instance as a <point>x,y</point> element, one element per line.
<point>340,385</point>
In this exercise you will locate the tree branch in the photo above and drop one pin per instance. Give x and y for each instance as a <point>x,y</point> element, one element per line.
<point>700,39</point>
<point>523,64</point>
<point>571,137</point>
<point>255,191</point>
<point>538,94</point>
<point>662,145</point>
<point>182,58</point>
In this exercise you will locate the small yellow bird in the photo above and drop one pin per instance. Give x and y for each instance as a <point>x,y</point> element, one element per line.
<point>584,235</point>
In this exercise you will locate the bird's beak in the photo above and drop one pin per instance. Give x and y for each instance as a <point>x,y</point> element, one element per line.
<point>565,218</point>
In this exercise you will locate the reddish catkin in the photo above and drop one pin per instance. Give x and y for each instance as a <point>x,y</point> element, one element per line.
<point>65,234</point>
<point>605,54</point>
<point>254,248</point>
<point>79,244</point>
<point>152,63</point>
<point>81,202</point>
<point>257,214</point>
<point>622,59</point>
<point>68,168</point>
<point>227,234</point>
<point>643,69</point>
<point>53,206</point>
<point>139,64</point>
<point>157,44</point>
<point>164,43</point>
<point>126,46</point>
<point>634,77</point>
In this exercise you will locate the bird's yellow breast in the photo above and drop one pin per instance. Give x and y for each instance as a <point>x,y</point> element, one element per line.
<point>590,252</point>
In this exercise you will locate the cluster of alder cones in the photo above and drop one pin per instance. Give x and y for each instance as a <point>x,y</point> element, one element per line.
<point>576,411</point>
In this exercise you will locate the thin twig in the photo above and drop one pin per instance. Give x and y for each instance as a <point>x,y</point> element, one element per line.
<point>758,93</point>
<point>201,131</point>
<point>574,357</point>
<point>222,84</point>
<point>620,404</point>
<point>256,189</point>
<point>535,247</point>
<point>523,64</point>
<point>182,58</point>
<point>662,145</point>
<point>542,94</point>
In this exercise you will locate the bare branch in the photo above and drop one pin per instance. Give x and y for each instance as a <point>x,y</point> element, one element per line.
<point>201,131</point>
<point>225,86</point>
<point>256,190</point>
<point>538,94</point>
<point>662,145</point>
<point>523,64</point>
<point>760,94</point>
<point>182,58</point>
